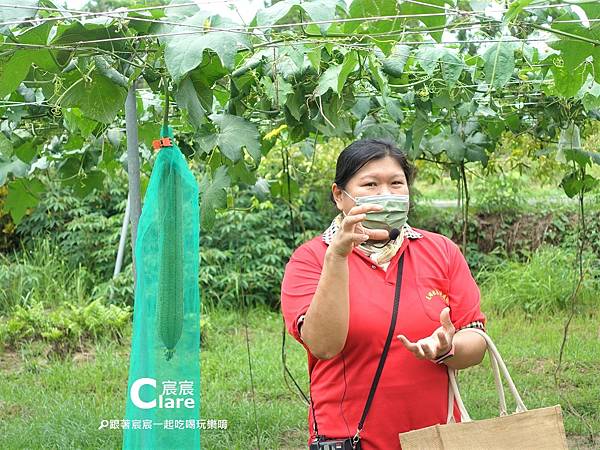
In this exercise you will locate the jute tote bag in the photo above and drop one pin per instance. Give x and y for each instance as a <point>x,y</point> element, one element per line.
<point>525,429</point>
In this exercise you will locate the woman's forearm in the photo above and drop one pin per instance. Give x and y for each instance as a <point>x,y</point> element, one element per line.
<point>326,321</point>
<point>469,349</point>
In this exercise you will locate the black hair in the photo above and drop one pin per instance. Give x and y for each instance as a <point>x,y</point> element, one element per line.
<point>360,152</point>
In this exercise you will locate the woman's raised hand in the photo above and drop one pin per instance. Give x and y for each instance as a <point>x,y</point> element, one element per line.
<point>437,344</point>
<point>351,233</point>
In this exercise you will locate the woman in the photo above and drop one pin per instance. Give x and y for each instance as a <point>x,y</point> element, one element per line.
<point>337,298</point>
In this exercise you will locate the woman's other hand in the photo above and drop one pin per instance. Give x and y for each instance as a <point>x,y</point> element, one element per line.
<point>436,345</point>
<point>351,233</point>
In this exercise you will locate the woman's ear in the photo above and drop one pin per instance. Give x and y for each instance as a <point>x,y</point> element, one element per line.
<point>337,194</point>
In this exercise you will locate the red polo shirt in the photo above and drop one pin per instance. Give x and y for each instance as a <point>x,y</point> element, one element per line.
<point>411,393</point>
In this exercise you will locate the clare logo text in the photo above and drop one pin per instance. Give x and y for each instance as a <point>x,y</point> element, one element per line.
<point>171,395</point>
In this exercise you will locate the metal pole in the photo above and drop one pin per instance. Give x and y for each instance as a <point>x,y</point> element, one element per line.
<point>133,166</point>
<point>122,240</point>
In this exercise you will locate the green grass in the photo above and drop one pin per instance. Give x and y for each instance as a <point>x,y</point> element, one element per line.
<point>542,284</point>
<point>59,404</point>
<point>41,274</point>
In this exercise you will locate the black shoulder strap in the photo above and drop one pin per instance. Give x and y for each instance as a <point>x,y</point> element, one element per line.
<point>386,347</point>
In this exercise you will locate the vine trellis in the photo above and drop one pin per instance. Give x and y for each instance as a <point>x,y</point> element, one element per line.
<point>443,78</point>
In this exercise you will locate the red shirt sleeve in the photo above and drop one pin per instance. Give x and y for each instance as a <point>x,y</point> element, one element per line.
<point>300,280</point>
<point>463,291</point>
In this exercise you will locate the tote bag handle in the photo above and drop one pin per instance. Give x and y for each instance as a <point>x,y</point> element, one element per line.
<point>498,368</point>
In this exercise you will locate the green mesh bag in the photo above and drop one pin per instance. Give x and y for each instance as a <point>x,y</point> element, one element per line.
<point>163,395</point>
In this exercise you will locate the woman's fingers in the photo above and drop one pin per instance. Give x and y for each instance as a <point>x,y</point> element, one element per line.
<point>377,235</point>
<point>426,348</point>
<point>367,207</point>
<point>350,221</point>
<point>358,239</point>
<point>443,339</point>
<point>357,214</point>
<point>412,347</point>
<point>352,233</point>
<point>446,322</point>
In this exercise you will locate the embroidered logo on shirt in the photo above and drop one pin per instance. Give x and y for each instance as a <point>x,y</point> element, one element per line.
<point>438,293</point>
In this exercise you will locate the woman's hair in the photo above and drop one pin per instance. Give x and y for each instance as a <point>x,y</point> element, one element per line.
<point>360,152</point>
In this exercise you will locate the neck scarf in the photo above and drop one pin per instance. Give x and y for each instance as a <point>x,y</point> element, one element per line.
<point>373,249</point>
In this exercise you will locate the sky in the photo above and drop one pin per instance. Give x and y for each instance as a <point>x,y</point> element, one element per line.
<point>227,8</point>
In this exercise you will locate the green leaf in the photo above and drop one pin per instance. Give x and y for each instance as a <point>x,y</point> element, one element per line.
<point>374,8</point>
<point>455,149</point>
<point>213,195</point>
<point>99,99</point>
<point>516,8</point>
<point>571,184</point>
<point>590,95</point>
<point>14,67</point>
<point>431,21</point>
<point>370,128</point>
<point>261,189</point>
<point>573,53</point>
<point>314,56</point>
<point>317,10</point>
<point>22,195</point>
<point>68,169</point>
<point>379,79</point>
<point>76,32</point>
<point>570,22</point>
<point>418,130</point>
<point>475,153</point>
<point>567,83</point>
<point>187,98</point>
<point>307,148</point>
<point>361,107</point>
<point>580,157</point>
<point>335,77</point>
<point>499,63</point>
<point>27,151</point>
<point>274,13</point>
<point>295,104</point>
<point>321,10</point>
<point>394,109</point>
<point>590,183</point>
<point>240,172</point>
<point>147,132</point>
<point>13,166</point>
<point>428,56</point>
<point>337,122</point>
<point>435,145</point>
<point>6,146</point>
<point>452,67</point>
<point>39,36</point>
<point>209,72</point>
<point>277,92</point>
<point>183,54</point>
<point>234,134</point>
<point>75,122</point>
<point>394,64</point>
<point>85,184</point>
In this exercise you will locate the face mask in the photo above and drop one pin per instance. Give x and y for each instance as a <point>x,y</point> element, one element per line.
<point>393,215</point>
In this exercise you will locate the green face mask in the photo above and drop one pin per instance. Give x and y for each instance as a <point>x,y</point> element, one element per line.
<point>393,215</point>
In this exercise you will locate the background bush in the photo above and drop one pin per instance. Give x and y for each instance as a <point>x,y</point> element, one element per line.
<point>247,252</point>
<point>542,284</point>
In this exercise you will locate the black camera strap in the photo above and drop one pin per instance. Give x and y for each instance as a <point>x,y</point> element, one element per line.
<point>384,354</point>
<point>386,347</point>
